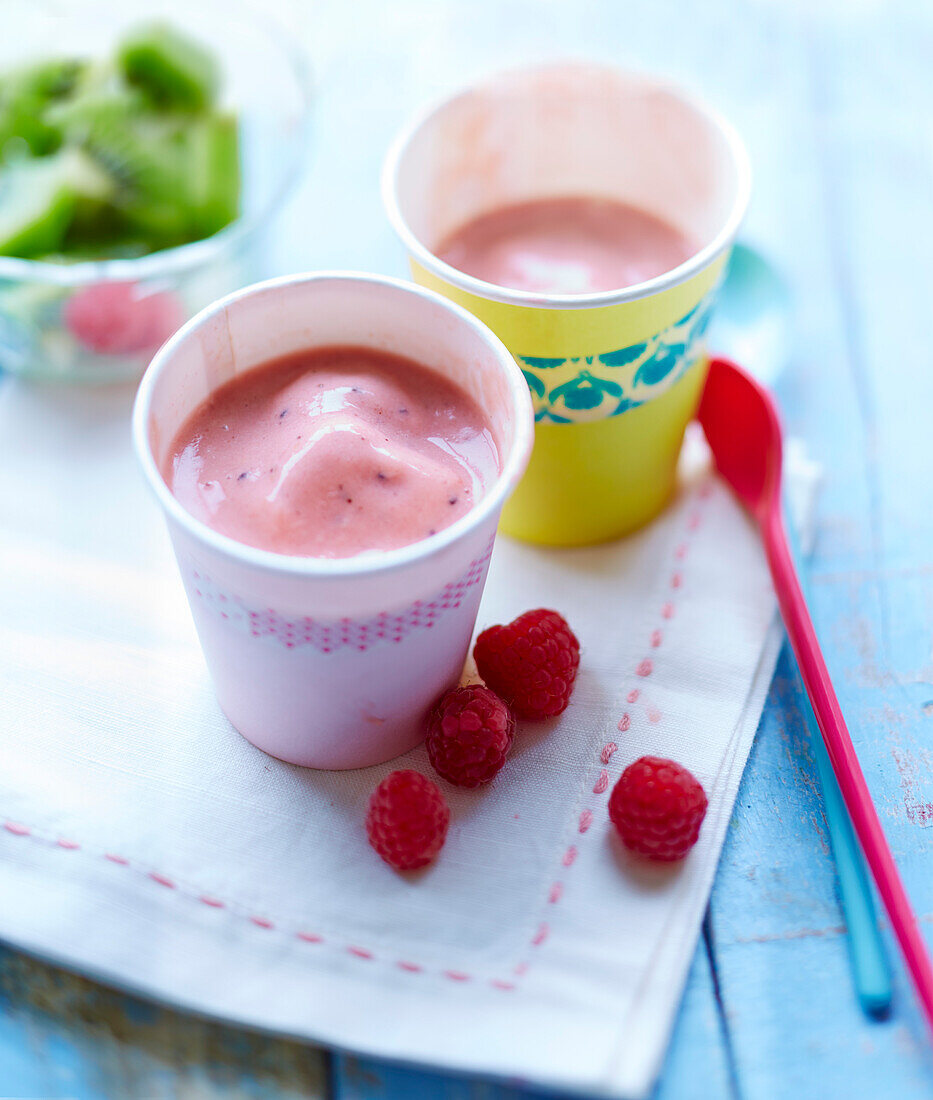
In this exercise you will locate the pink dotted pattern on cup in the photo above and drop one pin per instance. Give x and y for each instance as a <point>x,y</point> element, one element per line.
<point>330,636</point>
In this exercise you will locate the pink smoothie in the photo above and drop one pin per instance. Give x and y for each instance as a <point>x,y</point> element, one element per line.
<point>333,452</point>
<point>570,245</point>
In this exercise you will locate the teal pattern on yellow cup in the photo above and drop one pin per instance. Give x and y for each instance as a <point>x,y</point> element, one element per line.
<point>614,376</point>
<point>592,387</point>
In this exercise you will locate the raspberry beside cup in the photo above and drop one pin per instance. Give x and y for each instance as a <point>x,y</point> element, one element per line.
<point>470,732</point>
<point>407,820</point>
<point>530,662</point>
<point>657,807</point>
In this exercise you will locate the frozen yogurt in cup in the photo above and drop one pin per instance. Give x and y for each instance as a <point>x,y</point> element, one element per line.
<point>615,374</point>
<point>332,662</point>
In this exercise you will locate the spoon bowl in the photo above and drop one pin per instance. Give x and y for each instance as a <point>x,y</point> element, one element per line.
<point>744,433</point>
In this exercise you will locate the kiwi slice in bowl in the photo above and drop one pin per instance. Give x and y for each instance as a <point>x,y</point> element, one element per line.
<point>212,173</point>
<point>46,80</point>
<point>174,70</point>
<point>177,173</point>
<point>142,152</point>
<point>25,95</point>
<point>38,199</point>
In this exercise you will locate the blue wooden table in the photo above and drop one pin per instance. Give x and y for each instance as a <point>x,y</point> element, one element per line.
<point>835,100</point>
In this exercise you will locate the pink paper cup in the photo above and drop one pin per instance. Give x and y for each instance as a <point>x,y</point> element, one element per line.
<point>333,663</point>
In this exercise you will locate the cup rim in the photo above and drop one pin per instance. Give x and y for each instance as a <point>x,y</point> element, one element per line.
<point>367,563</point>
<point>482,289</point>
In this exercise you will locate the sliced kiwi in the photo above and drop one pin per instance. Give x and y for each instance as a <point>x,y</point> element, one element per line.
<point>212,170</point>
<point>23,130</point>
<point>34,210</point>
<point>142,152</point>
<point>47,80</point>
<point>116,156</point>
<point>178,173</point>
<point>169,66</point>
<point>96,106</point>
<point>138,149</point>
<point>25,96</point>
<point>38,199</point>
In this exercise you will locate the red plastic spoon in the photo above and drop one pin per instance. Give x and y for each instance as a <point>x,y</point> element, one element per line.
<point>743,430</point>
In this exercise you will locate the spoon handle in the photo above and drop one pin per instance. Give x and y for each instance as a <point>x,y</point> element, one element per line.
<point>844,761</point>
<point>871,974</point>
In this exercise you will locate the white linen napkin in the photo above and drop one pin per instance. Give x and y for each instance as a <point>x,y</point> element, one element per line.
<point>143,841</point>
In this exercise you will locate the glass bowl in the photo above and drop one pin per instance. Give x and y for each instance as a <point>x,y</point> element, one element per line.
<point>99,321</point>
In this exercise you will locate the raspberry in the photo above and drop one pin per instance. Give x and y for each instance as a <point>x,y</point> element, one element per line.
<point>470,733</point>
<point>532,662</point>
<point>120,319</point>
<point>407,820</point>
<point>657,807</point>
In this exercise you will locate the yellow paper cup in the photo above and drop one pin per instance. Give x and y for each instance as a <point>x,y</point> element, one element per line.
<point>616,376</point>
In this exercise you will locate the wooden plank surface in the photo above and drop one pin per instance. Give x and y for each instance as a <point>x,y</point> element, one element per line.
<point>859,255</point>
<point>836,102</point>
<point>64,1036</point>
